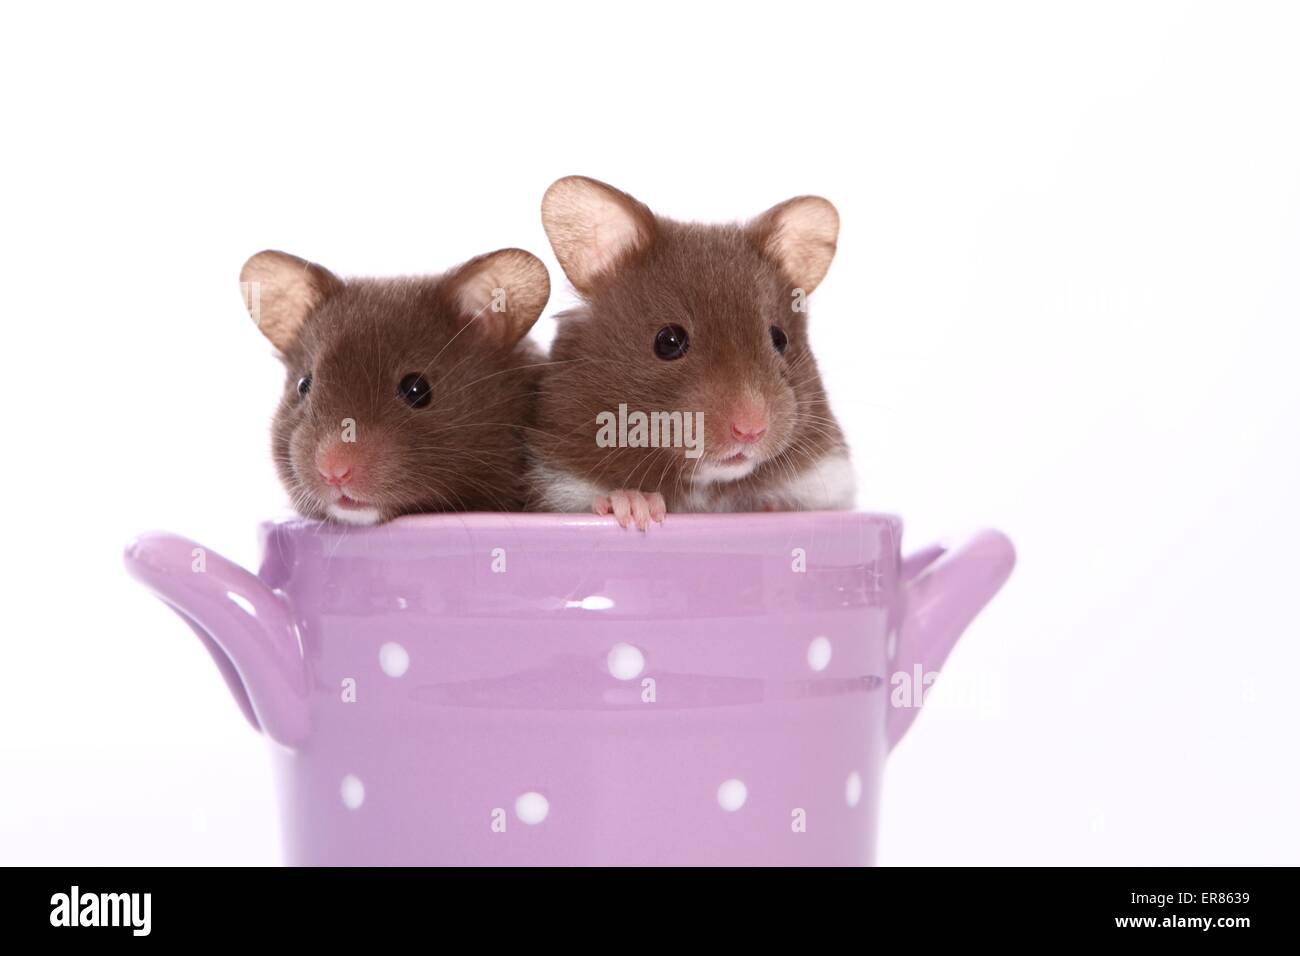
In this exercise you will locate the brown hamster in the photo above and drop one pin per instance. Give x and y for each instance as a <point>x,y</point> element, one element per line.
<point>401,395</point>
<point>685,381</point>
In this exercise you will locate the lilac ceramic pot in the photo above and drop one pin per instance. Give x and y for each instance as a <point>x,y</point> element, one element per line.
<point>501,689</point>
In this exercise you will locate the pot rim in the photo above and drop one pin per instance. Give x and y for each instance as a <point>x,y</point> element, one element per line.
<point>711,523</point>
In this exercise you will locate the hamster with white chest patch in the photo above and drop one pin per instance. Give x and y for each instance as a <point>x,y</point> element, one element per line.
<point>685,381</point>
<point>402,395</point>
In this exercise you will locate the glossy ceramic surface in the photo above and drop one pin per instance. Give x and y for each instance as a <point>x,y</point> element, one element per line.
<point>552,689</point>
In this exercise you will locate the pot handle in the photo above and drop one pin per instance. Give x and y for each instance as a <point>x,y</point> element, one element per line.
<point>244,625</point>
<point>942,592</point>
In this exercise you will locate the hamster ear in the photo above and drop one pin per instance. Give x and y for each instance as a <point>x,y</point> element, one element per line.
<point>593,227</point>
<point>503,292</point>
<point>800,234</point>
<point>281,290</point>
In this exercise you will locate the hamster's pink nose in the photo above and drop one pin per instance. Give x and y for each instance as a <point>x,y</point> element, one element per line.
<point>749,422</point>
<point>747,433</point>
<point>336,476</point>
<point>334,465</point>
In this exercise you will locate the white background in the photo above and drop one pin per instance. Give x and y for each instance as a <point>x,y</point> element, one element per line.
<point>1065,304</point>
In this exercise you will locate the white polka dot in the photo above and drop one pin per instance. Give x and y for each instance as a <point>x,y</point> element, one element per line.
<point>532,807</point>
<point>853,789</point>
<point>732,795</point>
<point>393,659</point>
<point>353,792</point>
<point>625,661</point>
<point>819,653</point>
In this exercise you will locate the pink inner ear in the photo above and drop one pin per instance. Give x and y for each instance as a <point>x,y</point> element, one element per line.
<point>592,227</point>
<point>802,240</point>
<point>478,292</point>
<point>281,290</point>
<point>612,235</point>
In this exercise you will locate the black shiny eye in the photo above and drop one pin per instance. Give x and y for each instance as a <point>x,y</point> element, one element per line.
<point>671,342</point>
<point>414,389</point>
<point>304,385</point>
<point>779,339</point>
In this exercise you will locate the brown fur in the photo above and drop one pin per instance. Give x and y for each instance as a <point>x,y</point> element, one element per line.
<point>357,339</point>
<point>725,286</point>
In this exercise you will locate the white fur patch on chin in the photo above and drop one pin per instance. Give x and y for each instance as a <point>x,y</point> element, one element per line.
<point>709,473</point>
<point>359,516</point>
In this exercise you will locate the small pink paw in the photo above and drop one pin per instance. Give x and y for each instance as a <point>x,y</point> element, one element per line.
<point>630,507</point>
